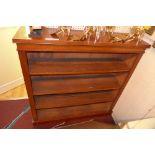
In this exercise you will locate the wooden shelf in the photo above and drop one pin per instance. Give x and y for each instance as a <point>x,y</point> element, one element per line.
<point>75,111</point>
<point>53,101</point>
<point>77,67</point>
<point>73,84</point>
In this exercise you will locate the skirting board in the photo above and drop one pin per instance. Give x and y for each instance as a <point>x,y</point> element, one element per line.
<point>10,85</point>
<point>118,120</point>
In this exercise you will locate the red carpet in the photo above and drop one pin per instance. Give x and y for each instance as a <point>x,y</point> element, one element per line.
<point>10,109</point>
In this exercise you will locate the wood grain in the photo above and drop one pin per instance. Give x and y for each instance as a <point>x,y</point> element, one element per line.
<point>60,68</point>
<point>53,101</point>
<point>76,63</point>
<point>73,112</point>
<point>73,84</point>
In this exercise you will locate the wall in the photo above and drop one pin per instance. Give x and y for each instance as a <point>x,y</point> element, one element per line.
<point>138,99</point>
<point>10,71</point>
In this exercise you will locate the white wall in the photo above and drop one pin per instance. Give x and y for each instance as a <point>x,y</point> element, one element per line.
<point>10,71</point>
<point>138,99</point>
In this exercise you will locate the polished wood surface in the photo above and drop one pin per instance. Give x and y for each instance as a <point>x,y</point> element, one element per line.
<point>76,63</point>
<point>22,36</point>
<point>53,101</point>
<point>73,84</point>
<point>74,111</point>
<point>74,79</point>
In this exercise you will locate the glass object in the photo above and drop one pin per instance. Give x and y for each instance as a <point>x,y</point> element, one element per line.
<point>65,30</point>
<point>99,31</point>
<point>137,32</point>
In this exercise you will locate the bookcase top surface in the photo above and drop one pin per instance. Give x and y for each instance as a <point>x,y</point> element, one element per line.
<point>22,36</point>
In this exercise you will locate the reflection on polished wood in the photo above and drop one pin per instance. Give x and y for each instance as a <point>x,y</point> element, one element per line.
<point>22,36</point>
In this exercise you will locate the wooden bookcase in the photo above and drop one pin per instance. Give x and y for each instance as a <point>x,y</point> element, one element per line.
<point>67,80</point>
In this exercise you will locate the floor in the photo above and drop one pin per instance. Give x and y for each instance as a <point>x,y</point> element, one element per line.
<point>16,93</point>
<point>20,93</point>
